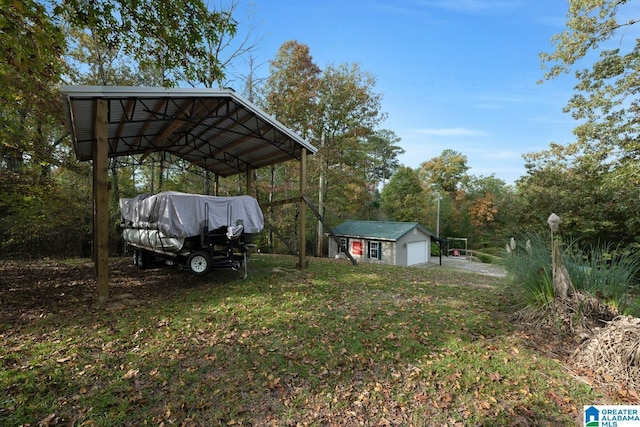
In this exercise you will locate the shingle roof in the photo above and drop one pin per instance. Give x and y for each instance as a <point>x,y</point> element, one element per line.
<point>385,230</point>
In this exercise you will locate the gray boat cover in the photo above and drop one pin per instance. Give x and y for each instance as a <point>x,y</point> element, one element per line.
<point>177,214</point>
<point>152,240</point>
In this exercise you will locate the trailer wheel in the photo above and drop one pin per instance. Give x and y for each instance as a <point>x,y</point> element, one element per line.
<point>199,263</point>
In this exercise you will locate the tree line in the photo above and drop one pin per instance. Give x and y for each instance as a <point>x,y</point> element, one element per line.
<point>46,205</point>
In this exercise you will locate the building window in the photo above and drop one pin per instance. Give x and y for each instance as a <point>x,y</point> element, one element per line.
<point>356,248</point>
<point>344,243</point>
<point>375,250</point>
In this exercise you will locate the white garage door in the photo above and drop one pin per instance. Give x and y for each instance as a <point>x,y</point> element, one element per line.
<point>416,252</point>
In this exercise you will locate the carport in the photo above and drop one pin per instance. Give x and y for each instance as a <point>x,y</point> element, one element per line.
<point>215,129</point>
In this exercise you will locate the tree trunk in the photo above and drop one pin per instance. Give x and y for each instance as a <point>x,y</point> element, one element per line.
<point>114,179</point>
<point>207,182</point>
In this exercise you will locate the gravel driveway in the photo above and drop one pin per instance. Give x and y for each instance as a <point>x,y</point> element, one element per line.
<point>462,263</point>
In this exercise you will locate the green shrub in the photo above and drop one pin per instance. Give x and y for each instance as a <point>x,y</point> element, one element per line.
<point>487,258</point>
<point>491,250</point>
<point>435,249</point>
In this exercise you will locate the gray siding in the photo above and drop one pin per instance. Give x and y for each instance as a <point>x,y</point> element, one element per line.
<point>393,252</point>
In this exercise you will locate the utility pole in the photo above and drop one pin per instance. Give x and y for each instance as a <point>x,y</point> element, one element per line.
<point>322,184</point>
<point>438,198</point>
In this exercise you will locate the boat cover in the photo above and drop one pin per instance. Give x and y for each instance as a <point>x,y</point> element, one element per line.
<point>152,240</point>
<point>181,215</point>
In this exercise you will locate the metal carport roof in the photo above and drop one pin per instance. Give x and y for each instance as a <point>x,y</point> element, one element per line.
<point>214,129</point>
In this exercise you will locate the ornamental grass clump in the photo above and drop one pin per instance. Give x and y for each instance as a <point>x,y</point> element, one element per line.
<point>610,273</point>
<point>528,262</point>
<point>601,280</point>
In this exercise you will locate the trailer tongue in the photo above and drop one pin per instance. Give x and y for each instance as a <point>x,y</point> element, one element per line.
<point>196,231</point>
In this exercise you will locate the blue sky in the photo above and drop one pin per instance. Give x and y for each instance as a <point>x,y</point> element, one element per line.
<point>454,74</point>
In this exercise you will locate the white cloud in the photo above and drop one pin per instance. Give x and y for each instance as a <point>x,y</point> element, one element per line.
<point>450,132</point>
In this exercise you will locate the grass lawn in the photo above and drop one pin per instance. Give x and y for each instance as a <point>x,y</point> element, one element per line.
<point>330,345</point>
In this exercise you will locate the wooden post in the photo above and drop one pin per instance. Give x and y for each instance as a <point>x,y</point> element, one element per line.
<point>302,246</point>
<point>100,200</point>
<point>331,233</point>
<point>250,181</point>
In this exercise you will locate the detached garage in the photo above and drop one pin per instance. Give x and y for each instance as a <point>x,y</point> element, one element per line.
<point>385,242</point>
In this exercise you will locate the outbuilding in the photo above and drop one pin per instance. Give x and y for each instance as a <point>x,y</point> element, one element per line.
<point>385,242</point>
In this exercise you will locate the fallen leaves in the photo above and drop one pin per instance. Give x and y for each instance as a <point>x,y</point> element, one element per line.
<point>131,373</point>
<point>48,420</point>
<point>495,376</point>
<point>302,348</point>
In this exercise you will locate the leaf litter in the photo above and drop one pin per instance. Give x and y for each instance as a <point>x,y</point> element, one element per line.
<point>286,347</point>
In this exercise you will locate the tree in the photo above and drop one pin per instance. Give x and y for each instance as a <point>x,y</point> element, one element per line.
<point>348,112</point>
<point>290,94</point>
<point>545,188</point>
<point>173,37</point>
<point>595,177</point>
<point>30,66</point>
<point>383,153</point>
<point>91,63</point>
<point>489,203</point>
<point>606,99</point>
<point>445,172</point>
<point>606,92</point>
<point>40,197</point>
<point>581,190</point>
<point>292,87</point>
<point>336,109</point>
<point>30,53</point>
<point>228,49</point>
<point>404,198</point>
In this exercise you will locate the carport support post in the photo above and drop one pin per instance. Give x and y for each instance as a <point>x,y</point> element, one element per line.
<point>250,184</point>
<point>100,201</point>
<point>302,206</point>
